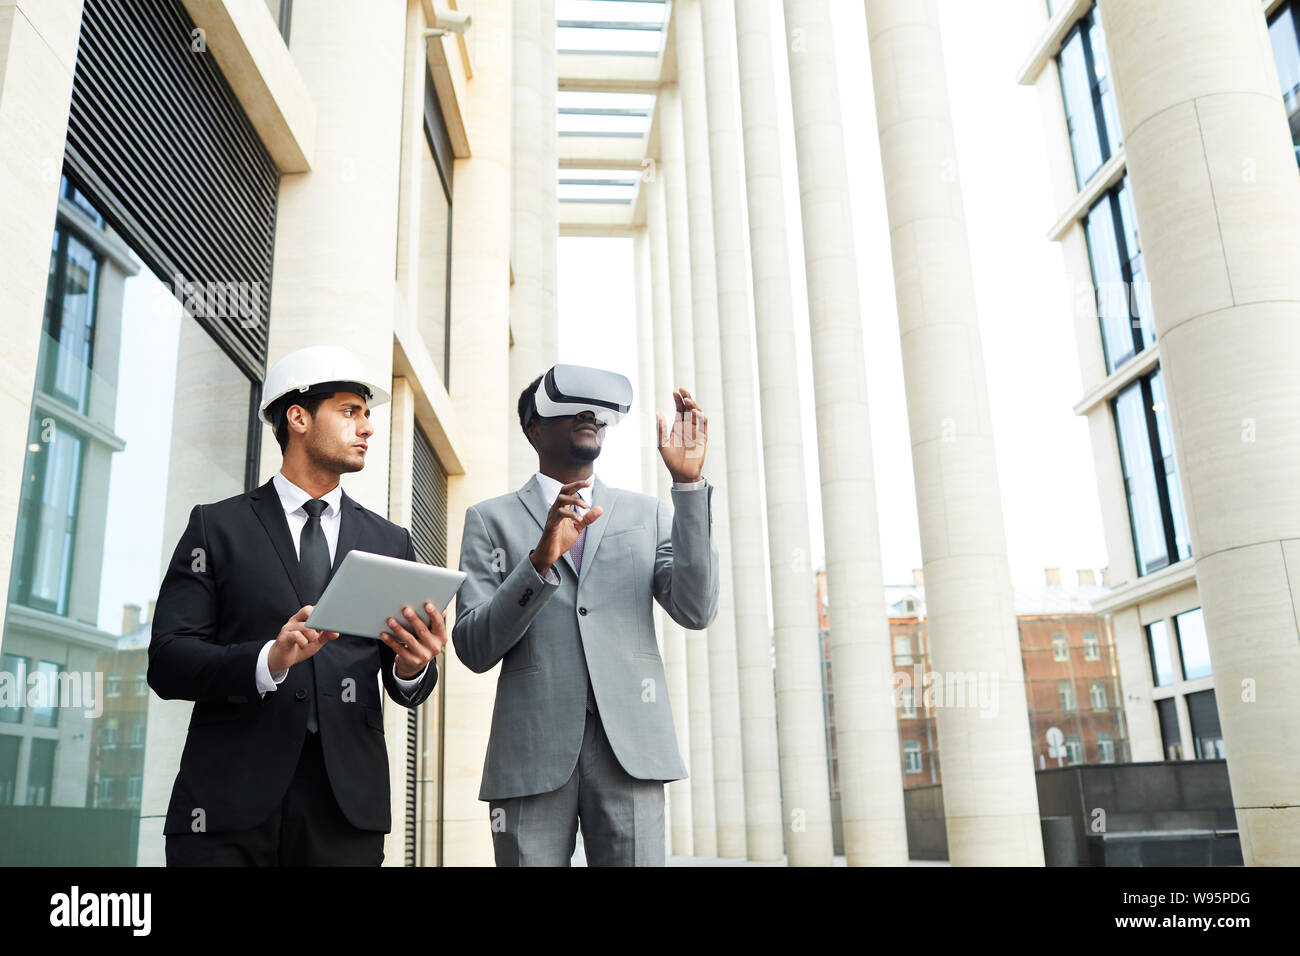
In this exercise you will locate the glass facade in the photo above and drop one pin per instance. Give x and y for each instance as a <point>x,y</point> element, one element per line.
<point>1156,515</point>
<point>1089,99</point>
<point>113,465</point>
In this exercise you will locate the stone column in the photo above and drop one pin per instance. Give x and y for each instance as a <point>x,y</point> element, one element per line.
<point>989,795</point>
<point>1216,197</point>
<point>644,413</point>
<point>480,313</point>
<point>745,468</point>
<point>728,770</point>
<point>548,165</point>
<point>871,786</point>
<point>38,55</point>
<point>682,279</point>
<point>674,637</point>
<point>527,196</point>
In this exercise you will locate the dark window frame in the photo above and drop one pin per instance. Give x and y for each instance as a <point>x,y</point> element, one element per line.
<point>1157,453</point>
<point>444,159</point>
<point>1081,29</point>
<point>1136,324</point>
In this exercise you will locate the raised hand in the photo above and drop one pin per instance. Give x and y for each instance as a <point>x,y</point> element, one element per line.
<point>682,447</point>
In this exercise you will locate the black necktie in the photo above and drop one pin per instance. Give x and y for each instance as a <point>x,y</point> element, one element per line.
<point>313,573</point>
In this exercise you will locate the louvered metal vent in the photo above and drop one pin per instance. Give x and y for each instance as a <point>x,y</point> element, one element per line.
<point>157,137</point>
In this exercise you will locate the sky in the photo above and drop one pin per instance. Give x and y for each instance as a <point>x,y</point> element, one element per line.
<point>1046,476</point>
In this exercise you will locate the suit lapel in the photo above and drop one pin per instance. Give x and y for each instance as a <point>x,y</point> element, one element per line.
<point>266,505</point>
<point>535,501</point>
<point>349,529</point>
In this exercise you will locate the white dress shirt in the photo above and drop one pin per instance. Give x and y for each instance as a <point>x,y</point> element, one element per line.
<point>551,490</point>
<point>291,499</point>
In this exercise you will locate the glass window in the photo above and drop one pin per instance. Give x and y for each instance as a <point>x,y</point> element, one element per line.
<point>1097,695</point>
<point>1285,40</point>
<point>902,649</point>
<point>1088,98</point>
<point>45,538</point>
<point>13,673</point>
<point>1073,749</point>
<point>113,684</point>
<point>64,368</point>
<point>911,756</point>
<point>1105,748</point>
<point>1091,647</point>
<point>1203,713</point>
<point>1140,487</point>
<point>1060,648</point>
<point>45,713</point>
<point>435,261</point>
<point>8,768</point>
<point>1177,514</point>
<point>1193,646</point>
<point>1065,695</point>
<point>1156,514</point>
<point>1123,294</point>
<point>1162,665</point>
<point>1170,737</point>
<point>40,774</point>
<point>907,701</point>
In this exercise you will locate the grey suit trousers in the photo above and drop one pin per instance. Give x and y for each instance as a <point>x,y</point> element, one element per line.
<point>622,817</point>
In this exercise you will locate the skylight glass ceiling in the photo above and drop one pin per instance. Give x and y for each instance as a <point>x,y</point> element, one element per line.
<point>627,27</point>
<point>597,185</point>
<point>619,115</point>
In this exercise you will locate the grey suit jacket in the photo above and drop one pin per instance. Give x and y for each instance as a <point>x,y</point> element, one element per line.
<point>549,637</point>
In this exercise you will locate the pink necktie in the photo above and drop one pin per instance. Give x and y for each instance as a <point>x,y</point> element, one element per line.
<point>576,551</point>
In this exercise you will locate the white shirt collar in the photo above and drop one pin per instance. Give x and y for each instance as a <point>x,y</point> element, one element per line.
<point>550,488</point>
<point>292,497</point>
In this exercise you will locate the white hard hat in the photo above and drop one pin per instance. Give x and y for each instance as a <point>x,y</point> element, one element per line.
<point>303,371</point>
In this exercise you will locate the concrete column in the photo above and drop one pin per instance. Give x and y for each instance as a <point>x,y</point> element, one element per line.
<point>337,240</point>
<point>745,468</point>
<point>871,785</point>
<point>674,637</point>
<point>1218,203</point>
<point>38,54</point>
<point>480,313</point>
<point>548,164</point>
<point>989,795</point>
<point>704,840</point>
<point>728,770</point>
<point>527,187</point>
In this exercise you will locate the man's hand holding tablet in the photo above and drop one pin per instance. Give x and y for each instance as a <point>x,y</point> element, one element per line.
<point>417,643</point>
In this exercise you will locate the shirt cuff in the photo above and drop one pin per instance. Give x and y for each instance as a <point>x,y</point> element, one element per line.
<point>407,686</point>
<point>689,485</point>
<point>552,576</point>
<point>266,681</point>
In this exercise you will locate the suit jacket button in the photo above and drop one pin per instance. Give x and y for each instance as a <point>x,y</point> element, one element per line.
<point>300,694</point>
<point>582,611</point>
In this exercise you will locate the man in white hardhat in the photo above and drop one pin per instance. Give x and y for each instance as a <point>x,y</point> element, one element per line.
<point>285,762</point>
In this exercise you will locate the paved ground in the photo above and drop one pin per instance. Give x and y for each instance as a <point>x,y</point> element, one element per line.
<point>580,859</point>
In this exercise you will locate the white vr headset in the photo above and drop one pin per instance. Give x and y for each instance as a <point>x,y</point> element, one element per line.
<point>571,389</point>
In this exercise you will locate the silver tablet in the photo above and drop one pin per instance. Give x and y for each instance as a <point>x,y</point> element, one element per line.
<point>368,589</point>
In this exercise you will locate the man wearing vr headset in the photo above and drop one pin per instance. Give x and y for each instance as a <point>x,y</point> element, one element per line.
<point>562,576</point>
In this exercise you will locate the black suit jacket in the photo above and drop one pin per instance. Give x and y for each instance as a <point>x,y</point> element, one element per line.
<point>231,585</point>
